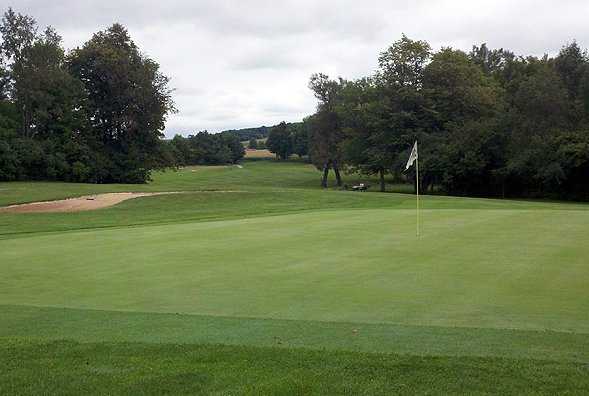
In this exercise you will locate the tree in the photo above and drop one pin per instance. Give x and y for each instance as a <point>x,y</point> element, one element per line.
<point>280,142</point>
<point>18,35</point>
<point>253,144</point>
<point>95,115</point>
<point>300,138</point>
<point>571,65</point>
<point>490,61</point>
<point>469,158</point>
<point>402,64</point>
<point>325,134</point>
<point>206,149</point>
<point>361,113</point>
<point>237,151</point>
<point>128,102</point>
<point>398,114</point>
<point>540,103</point>
<point>56,99</point>
<point>465,104</point>
<point>9,161</point>
<point>572,157</point>
<point>381,115</point>
<point>48,100</point>
<point>457,88</point>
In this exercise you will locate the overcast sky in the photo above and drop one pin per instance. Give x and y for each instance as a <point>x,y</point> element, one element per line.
<point>237,64</point>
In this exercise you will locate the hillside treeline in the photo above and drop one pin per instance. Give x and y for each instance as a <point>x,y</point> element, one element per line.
<point>95,114</point>
<point>246,134</point>
<point>205,149</point>
<point>488,122</point>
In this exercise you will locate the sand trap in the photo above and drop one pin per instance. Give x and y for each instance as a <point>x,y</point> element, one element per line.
<point>88,202</point>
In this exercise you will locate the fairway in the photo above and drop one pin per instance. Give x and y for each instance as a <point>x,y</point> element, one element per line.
<point>273,261</point>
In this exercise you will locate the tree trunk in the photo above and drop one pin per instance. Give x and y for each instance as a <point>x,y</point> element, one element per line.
<point>382,185</point>
<point>325,174</point>
<point>338,177</point>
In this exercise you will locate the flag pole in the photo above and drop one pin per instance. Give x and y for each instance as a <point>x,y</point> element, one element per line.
<point>417,188</point>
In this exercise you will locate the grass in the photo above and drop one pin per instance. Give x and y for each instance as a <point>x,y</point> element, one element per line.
<point>257,189</point>
<point>82,325</point>
<point>259,262</point>
<point>479,268</point>
<point>68,367</point>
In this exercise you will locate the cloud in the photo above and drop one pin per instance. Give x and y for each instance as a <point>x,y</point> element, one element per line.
<point>247,63</point>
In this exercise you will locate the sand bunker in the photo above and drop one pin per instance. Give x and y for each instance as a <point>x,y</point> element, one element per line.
<point>89,202</point>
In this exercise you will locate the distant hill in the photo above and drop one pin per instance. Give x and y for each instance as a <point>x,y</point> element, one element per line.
<point>250,133</point>
<point>246,134</point>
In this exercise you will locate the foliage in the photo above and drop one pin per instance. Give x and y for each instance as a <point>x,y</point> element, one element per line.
<point>206,149</point>
<point>95,115</point>
<point>325,131</point>
<point>252,144</point>
<point>247,134</point>
<point>280,141</point>
<point>300,138</point>
<point>125,131</point>
<point>489,123</point>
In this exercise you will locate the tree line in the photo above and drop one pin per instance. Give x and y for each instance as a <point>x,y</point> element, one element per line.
<point>489,123</point>
<point>205,149</point>
<point>246,134</point>
<point>95,114</point>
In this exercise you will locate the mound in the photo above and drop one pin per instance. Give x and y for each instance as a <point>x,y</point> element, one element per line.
<point>88,202</point>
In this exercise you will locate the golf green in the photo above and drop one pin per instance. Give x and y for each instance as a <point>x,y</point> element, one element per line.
<point>510,268</point>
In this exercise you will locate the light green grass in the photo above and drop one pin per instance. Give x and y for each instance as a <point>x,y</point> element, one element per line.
<point>261,257</point>
<point>479,268</point>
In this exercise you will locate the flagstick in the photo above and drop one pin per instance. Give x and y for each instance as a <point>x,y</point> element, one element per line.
<point>417,184</point>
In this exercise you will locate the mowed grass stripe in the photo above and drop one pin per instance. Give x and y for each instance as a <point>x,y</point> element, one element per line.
<point>41,323</point>
<point>473,268</point>
<point>132,368</point>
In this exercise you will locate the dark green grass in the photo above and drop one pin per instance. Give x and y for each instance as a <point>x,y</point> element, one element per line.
<point>70,368</point>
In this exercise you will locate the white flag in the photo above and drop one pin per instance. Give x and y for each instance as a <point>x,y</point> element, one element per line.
<point>412,157</point>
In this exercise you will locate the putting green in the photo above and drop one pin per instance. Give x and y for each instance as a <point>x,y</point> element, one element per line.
<point>523,269</point>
